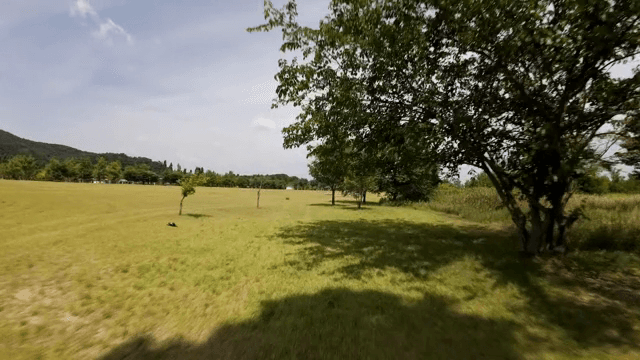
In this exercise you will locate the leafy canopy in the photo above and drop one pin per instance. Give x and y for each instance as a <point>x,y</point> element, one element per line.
<point>520,89</point>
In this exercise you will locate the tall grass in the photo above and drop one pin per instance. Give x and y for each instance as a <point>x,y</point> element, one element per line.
<point>479,204</point>
<point>612,221</point>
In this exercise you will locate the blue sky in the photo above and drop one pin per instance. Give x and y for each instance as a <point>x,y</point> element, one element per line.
<point>176,81</point>
<point>180,81</point>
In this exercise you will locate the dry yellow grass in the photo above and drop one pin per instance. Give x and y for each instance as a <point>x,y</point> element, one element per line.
<point>93,271</point>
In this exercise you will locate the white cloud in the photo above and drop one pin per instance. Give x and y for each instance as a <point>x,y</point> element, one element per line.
<point>264,124</point>
<point>82,8</point>
<point>106,29</point>
<point>109,28</point>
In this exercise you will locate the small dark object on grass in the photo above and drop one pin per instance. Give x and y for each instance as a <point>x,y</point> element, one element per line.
<point>287,198</point>
<point>172,224</point>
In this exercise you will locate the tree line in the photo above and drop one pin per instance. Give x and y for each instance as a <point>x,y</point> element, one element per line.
<point>594,182</point>
<point>26,167</point>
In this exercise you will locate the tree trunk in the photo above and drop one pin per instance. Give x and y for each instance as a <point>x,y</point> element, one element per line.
<point>364,197</point>
<point>537,233</point>
<point>507,198</point>
<point>258,204</point>
<point>333,196</point>
<point>180,213</point>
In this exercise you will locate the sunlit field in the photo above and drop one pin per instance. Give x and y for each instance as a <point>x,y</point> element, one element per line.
<point>93,271</point>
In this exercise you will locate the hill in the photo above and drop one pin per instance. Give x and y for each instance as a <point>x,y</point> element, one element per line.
<point>11,145</point>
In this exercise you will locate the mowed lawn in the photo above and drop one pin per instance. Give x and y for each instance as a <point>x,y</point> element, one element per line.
<point>93,271</point>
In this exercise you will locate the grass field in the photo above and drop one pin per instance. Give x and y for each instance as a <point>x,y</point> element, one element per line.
<point>93,271</point>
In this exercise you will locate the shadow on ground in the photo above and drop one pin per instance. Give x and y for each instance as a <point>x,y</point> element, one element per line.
<point>342,206</point>
<point>408,246</point>
<point>198,216</point>
<point>355,203</point>
<point>561,292</point>
<point>327,205</point>
<point>563,310</point>
<point>343,324</point>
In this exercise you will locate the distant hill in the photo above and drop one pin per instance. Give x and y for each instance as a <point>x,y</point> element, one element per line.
<point>11,145</point>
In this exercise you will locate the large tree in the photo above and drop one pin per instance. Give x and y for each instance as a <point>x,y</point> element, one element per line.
<point>114,171</point>
<point>70,169</point>
<point>520,89</point>
<point>100,169</point>
<point>404,171</point>
<point>84,169</point>
<point>329,165</point>
<point>55,170</point>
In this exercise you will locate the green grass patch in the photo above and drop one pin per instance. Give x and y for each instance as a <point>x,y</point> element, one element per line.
<point>293,279</point>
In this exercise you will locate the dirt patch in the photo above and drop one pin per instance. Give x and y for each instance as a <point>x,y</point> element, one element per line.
<point>24,295</point>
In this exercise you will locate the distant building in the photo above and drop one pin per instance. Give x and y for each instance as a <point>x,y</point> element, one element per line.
<point>123,181</point>
<point>289,187</point>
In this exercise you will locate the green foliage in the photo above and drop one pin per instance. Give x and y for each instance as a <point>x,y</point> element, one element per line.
<point>172,177</point>
<point>405,175</point>
<point>19,167</point>
<point>55,170</point>
<point>330,165</point>
<point>84,169</point>
<point>358,185</point>
<point>140,173</point>
<point>188,186</point>
<point>518,89</point>
<point>70,169</point>
<point>631,139</point>
<point>479,180</point>
<point>114,171</point>
<point>100,169</point>
<point>230,179</point>
<point>593,184</point>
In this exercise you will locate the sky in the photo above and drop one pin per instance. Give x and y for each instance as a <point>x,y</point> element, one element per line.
<point>177,81</point>
<point>168,80</point>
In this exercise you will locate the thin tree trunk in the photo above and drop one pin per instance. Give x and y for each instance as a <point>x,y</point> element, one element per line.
<point>258,203</point>
<point>364,197</point>
<point>180,213</point>
<point>333,195</point>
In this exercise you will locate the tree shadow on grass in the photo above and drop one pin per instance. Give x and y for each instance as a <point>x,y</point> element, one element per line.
<point>327,205</point>
<point>342,207</point>
<point>407,246</point>
<point>355,203</point>
<point>198,216</point>
<point>343,324</point>
<point>419,249</point>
